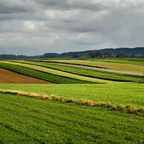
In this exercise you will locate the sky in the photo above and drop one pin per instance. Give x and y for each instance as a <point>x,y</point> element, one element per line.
<point>35,27</point>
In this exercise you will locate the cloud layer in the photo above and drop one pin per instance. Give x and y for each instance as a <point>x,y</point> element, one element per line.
<point>35,27</point>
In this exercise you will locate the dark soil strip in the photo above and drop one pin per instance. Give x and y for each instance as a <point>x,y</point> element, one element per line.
<point>7,76</point>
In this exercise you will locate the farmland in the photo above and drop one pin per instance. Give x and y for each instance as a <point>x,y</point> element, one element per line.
<point>85,106</point>
<point>58,73</point>
<point>101,76</point>
<point>38,74</point>
<point>108,65</point>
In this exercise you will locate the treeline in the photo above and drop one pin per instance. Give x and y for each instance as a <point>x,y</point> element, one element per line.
<point>108,52</point>
<point>11,56</point>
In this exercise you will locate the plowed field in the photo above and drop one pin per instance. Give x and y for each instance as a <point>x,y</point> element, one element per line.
<point>7,76</point>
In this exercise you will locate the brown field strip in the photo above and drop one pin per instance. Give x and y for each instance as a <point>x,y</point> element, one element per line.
<point>7,76</point>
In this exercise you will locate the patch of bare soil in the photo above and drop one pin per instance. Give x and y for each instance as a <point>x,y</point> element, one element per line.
<point>7,76</point>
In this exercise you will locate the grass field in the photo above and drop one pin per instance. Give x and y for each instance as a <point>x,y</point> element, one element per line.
<point>108,65</point>
<point>118,117</point>
<point>34,120</point>
<point>123,93</point>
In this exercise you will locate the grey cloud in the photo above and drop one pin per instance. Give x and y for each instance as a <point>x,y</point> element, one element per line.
<point>20,10</point>
<point>39,26</point>
<point>8,7</point>
<point>103,23</point>
<point>91,5</point>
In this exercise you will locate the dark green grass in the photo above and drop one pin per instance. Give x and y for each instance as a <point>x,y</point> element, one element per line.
<point>89,72</point>
<point>120,93</point>
<point>33,120</point>
<point>119,58</point>
<point>131,59</point>
<point>41,75</point>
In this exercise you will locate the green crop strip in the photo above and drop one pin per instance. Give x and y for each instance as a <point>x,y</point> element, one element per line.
<point>60,73</point>
<point>118,107</point>
<point>124,93</point>
<point>135,61</point>
<point>122,61</point>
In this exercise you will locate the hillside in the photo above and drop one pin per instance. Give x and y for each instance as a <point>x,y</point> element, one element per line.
<point>107,51</point>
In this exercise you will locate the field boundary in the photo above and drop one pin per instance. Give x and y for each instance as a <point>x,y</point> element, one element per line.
<point>116,107</point>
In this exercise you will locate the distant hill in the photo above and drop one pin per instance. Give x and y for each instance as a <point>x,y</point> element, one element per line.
<point>137,50</point>
<point>106,51</point>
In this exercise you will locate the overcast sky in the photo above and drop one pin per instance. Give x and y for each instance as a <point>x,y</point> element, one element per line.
<point>35,27</point>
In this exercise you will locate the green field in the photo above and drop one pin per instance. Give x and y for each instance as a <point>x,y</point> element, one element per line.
<point>34,120</point>
<point>108,65</point>
<point>31,120</point>
<point>135,61</point>
<point>123,93</point>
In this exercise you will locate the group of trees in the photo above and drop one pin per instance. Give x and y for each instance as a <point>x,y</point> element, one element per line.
<point>100,54</point>
<point>121,54</point>
<point>12,56</point>
<point>97,54</point>
<point>92,54</point>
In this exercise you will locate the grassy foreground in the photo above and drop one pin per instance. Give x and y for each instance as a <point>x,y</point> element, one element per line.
<point>34,120</point>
